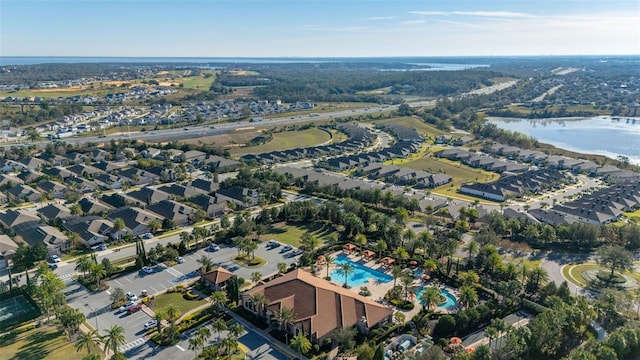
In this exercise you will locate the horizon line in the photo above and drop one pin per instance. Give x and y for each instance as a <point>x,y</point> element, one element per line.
<point>302,57</point>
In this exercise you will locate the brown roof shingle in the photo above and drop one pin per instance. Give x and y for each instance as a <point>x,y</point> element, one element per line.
<point>319,304</point>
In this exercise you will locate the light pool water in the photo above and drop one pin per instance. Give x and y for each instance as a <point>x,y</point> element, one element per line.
<point>362,274</point>
<point>449,302</point>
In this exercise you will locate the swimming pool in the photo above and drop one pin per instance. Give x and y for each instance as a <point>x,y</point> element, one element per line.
<point>449,302</point>
<point>361,274</point>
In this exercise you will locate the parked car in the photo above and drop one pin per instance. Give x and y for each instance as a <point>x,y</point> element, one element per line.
<point>55,258</point>
<point>131,296</point>
<point>150,324</point>
<point>126,306</point>
<point>134,308</point>
<point>180,260</point>
<point>146,236</point>
<point>102,247</point>
<point>214,247</point>
<point>297,252</point>
<point>147,269</point>
<point>52,266</point>
<point>272,244</point>
<point>286,248</point>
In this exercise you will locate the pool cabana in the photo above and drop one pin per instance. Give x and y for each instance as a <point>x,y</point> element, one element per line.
<point>348,248</point>
<point>387,261</point>
<point>368,255</point>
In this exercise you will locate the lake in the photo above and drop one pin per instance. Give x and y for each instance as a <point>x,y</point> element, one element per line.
<point>601,135</point>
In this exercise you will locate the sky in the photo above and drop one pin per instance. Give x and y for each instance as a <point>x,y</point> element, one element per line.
<point>318,28</point>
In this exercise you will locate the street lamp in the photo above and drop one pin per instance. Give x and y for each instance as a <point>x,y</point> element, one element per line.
<point>94,314</point>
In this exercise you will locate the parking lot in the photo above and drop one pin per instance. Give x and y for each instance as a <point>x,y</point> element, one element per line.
<point>97,307</point>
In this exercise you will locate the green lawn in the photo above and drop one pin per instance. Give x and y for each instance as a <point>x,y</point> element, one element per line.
<point>574,273</point>
<point>287,140</point>
<point>162,302</point>
<point>48,343</point>
<point>460,173</point>
<point>198,82</point>
<point>291,234</point>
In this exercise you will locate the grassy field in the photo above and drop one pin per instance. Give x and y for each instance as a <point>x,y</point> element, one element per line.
<point>574,273</point>
<point>162,302</point>
<point>460,173</point>
<point>414,123</point>
<point>291,234</point>
<point>199,82</point>
<point>47,343</point>
<point>287,140</point>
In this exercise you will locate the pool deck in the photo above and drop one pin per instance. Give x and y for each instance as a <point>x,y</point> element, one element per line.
<point>379,289</point>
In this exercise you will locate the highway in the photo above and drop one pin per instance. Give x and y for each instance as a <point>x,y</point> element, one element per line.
<point>190,132</point>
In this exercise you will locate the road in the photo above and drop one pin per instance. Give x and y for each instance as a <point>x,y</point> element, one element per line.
<point>189,132</point>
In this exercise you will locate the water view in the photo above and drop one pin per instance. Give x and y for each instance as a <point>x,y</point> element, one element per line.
<point>603,135</point>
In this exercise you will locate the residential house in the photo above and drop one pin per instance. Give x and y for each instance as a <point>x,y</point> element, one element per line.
<point>33,163</point>
<point>136,220</point>
<point>180,214</point>
<point>108,181</point>
<point>53,189</point>
<point>93,207</point>
<point>92,230</point>
<point>34,233</point>
<point>212,206</point>
<point>53,211</point>
<point>24,193</point>
<point>11,218</point>
<point>241,196</point>
<point>148,196</point>
<point>135,176</point>
<point>319,306</point>
<point>181,191</point>
<point>7,249</point>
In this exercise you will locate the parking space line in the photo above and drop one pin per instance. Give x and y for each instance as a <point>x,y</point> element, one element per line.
<point>129,280</point>
<point>154,290</point>
<point>117,282</point>
<point>180,347</point>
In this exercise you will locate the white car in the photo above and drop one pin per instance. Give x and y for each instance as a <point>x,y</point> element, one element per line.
<point>55,258</point>
<point>180,260</point>
<point>297,252</point>
<point>124,307</point>
<point>214,247</point>
<point>150,324</point>
<point>147,269</point>
<point>131,296</point>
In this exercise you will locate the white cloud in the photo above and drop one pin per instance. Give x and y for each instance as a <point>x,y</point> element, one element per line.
<point>492,14</point>
<point>379,18</point>
<point>413,22</point>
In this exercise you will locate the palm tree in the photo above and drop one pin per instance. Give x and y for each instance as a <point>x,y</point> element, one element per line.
<point>491,333</point>
<point>87,339</point>
<point>381,247</point>
<point>361,241</point>
<point>259,301</point>
<point>346,269</point>
<point>282,267</point>
<point>236,330</point>
<point>430,295</point>
<point>256,276</point>
<point>206,264</point>
<point>538,275</point>
<point>468,296</point>
<point>204,333</point>
<point>407,281</point>
<point>396,272</point>
<point>172,313</point>
<point>210,353</point>
<point>219,326</point>
<point>469,278</point>
<point>328,261</point>
<point>159,317</point>
<point>84,264</point>
<point>195,343</point>
<point>301,344</point>
<point>114,338</point>
<point>91,357</point>
<point>218,299</point>
<point>286,317</point>
<point>471,248</point>
<point>97,272</point>
<point>430,265</point>
<point>230,344</point>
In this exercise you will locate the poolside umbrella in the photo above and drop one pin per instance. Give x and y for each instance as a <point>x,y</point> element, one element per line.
<point>413,263</point>
<point>455,341</point>
<point>470,350</point>
<point>426,277</point>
